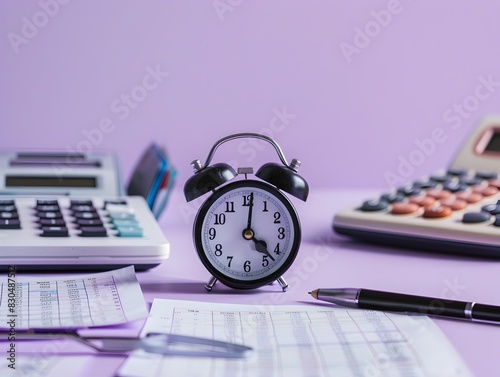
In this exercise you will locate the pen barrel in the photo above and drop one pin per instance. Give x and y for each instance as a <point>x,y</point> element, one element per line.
<point>395,302</point>
<point>482,312</point>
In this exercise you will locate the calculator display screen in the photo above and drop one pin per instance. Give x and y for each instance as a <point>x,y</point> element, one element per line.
<point>34,181</point>
<point>494,143</point>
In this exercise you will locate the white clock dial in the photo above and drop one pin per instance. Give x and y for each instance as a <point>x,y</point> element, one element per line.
<point>247,234</point>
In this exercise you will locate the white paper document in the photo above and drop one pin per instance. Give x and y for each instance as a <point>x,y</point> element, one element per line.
<point>82,300</point>
<point>298,340</point>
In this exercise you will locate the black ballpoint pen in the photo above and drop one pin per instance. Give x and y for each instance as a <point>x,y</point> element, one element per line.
<point>397,302</point>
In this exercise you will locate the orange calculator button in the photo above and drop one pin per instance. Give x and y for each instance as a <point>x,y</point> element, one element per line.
<point>423,201</point>
<point>495,183</point>
<point>485,190</point>
<point>454,203</point>
<point>404,208</point>
<point>470,197</point>
<point>439,194</point>
<point>437,212</point>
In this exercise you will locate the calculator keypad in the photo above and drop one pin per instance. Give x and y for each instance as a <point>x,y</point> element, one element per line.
<point>81,218</point>
<point>439,196</point>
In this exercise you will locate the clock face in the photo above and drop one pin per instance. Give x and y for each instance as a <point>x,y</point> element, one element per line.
<point>247,234</point>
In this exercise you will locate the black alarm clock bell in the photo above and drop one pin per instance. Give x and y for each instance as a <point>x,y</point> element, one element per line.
<point>247,233</point>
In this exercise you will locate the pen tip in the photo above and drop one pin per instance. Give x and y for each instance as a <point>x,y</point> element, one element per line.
<point>314,294</point>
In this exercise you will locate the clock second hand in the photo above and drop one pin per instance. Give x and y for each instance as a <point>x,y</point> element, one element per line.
<point>248,234</point>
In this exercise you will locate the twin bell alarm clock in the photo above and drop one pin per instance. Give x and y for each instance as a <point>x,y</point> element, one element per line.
<point>247,233</point>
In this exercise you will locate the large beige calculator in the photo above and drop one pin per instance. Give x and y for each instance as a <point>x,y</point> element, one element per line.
<point>456,210</point>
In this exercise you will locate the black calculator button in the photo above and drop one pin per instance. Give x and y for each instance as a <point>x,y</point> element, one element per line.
<point>457,172</point>
<point>7,202</point>
<point>86,215</point>
<point>54,231</point>
<point>440,178</point>
<point>9,215</point>
<point>470,181</point>
<point>49,215</point>
<point>48,208</point>
<point>84,202</point>
<point>93,231</point>
<point>425,184</point>
<point>83,208</point>
<point>487,175</point>
<point>40,202</point>
<point>374,205</point>
<point>409,190</point>
<point>392,198</point>
<point>8,208</point>
<point>88,222</point>
<point>494,209</point>
<point>52,222</point>
<point>117,202</point>
<point>10,224</point>
<point>475,217</point>
<point>454,186</point>
<point>497,220</point>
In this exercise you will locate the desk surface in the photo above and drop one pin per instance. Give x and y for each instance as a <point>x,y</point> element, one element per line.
<point>328,260</point>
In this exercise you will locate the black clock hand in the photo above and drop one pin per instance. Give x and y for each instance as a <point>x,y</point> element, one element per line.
<point>248,234</point>
<point>250,207</point>
<point>261,247</point>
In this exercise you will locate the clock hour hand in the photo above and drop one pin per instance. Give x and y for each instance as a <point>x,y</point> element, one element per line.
<point>261,247</point>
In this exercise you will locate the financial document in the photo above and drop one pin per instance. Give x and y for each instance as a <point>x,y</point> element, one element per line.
<point>82,300</point>
<point>298,340</point>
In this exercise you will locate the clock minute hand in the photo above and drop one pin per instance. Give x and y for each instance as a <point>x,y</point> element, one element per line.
<point>248,234</point>
<point>250,207</point>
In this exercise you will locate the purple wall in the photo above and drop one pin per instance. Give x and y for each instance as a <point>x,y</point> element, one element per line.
<point>352,88</point>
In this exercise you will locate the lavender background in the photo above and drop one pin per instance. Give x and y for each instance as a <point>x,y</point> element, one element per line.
<point>351,88</point>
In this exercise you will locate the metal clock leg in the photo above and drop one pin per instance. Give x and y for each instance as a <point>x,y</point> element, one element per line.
<point>282,282</point>
<point>210,284</point>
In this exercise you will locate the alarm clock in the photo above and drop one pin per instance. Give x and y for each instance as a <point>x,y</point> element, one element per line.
<point>247,233</point>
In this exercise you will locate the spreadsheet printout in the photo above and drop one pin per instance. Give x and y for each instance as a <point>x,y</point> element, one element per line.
<point>70,301</point>
<point>298,340</point>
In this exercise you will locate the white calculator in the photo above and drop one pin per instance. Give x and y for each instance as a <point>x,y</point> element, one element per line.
<point>456,210</point>
<point>49,233</point>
